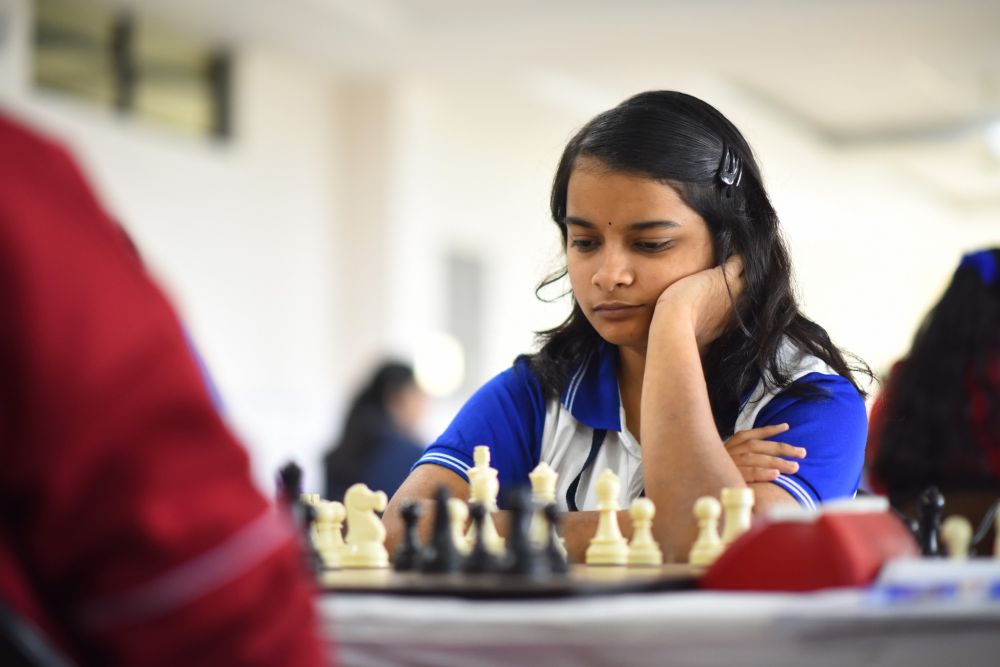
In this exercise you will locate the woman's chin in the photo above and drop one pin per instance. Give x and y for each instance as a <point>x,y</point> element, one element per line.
<point>623,337</point>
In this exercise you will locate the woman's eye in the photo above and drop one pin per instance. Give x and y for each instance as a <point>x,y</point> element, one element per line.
<point>583,244</point>
<point>653,246</point>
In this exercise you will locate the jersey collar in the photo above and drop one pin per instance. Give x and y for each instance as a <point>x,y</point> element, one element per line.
<point>591,395</point>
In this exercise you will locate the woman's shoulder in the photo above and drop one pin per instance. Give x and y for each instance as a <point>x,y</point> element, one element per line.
<point>518,384</point>
<point>796,362</point>
<point>808,379</point>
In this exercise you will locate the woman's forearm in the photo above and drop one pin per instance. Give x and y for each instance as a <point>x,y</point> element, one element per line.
<point>683,455</point>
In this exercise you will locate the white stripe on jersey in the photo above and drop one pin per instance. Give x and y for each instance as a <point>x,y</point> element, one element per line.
<point>793,487</point>
<point>448,460</point>
<point>574,384</point>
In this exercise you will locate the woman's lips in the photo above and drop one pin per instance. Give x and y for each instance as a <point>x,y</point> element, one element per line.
<point>615,311</point>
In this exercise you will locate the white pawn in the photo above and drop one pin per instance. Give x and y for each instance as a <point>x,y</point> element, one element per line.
<point>543,492</point>
<point>458,516</point>
<point>707,546</point>
<point>643,550</point>
<point>738,503</point>
<point>312,500</point>
<point>365,532</point>
<point>329,537</point>
<point>996,535</point>
<point>956,533</point>
<point>484,487</point>
<point>608,546</point>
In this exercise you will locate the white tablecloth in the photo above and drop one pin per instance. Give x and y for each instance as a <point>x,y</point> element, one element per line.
<point>835,628</point>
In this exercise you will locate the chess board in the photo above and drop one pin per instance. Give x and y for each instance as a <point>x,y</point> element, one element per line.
<point>586,580</point>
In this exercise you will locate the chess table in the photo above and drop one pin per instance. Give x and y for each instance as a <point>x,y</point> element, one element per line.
<point>644,616</point>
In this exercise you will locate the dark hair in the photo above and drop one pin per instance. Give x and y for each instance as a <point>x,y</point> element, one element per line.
<point>367,418</point>
<point>687,144</point>
<point>928,437</point>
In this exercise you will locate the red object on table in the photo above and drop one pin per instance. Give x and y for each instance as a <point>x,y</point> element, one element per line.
<point>826,551</point>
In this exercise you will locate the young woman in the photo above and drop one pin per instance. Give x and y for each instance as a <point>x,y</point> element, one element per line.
<point>378,444</point>
<point>685,350</point>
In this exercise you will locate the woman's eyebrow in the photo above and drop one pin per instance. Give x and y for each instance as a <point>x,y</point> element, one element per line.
<point>655,224</point>
<point>638,226</point>
<point>578,222</point>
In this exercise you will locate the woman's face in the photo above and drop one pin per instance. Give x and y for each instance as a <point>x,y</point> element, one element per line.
<point>407,406</point>
<point>628,239</point>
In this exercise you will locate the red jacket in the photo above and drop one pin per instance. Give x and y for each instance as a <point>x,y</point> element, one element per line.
<point>130,531</point>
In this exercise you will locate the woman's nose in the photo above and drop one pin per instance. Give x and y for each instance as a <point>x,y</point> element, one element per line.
<point>614,271</point>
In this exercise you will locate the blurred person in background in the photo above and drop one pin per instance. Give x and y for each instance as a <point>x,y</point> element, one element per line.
<point>379,442</point>
<point>130,530</point>
<point>937,422</point>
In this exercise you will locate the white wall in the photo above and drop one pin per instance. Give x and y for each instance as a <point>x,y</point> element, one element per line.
<point>314,244</point>
<point>241,235</point>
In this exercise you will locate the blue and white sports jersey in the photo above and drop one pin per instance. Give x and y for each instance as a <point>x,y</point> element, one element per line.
<point>584,432</point>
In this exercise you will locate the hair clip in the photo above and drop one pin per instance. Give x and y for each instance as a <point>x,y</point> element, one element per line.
<point>985,264</point>
<point>730,171</point>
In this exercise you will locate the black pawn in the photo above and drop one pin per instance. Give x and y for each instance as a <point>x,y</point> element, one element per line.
<point>522,558</point>
<point>480,560</point>
<point>303,516</point>
<point>557,563</point>
<point>290,484</point>
<point>931,508</point>
<point>441,555</point>
<point>407,556</point>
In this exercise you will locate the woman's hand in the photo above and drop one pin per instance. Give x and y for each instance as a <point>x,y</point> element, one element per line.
<point>760,459</point>
<point>706,297</point>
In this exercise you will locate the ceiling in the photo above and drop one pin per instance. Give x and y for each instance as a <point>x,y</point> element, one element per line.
<point>916,82</point>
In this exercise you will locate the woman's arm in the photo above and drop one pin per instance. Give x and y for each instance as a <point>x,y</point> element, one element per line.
<point>683,455</point>
<point>421,486</point>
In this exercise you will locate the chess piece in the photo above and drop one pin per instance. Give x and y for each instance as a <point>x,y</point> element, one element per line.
<point>988,522</point>
<point>480,560</point>
<point>523,558</point>
<point>738,505</point>
<point>311,502</point>
<point>996,535</point>
<point>911,524</point>
<point>440,556</point>
<point>302,515</point>
<point>289,483</point>
<point>458,516</point>
<point>329,538</point>
<point>555,551</point>
<point>643,550</point>
<point>480,477</point>
<point>607,547</point>
<point>956,533</point>
<point>543,492</point>
<point>484,487</point>
<point>365,532</point>
<point>408,554</point>
<point>931,506</point>
<point>708,545</point>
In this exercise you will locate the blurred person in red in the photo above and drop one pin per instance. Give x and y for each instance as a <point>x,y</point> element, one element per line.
<point>131,532</point>
<point>937,422</point>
